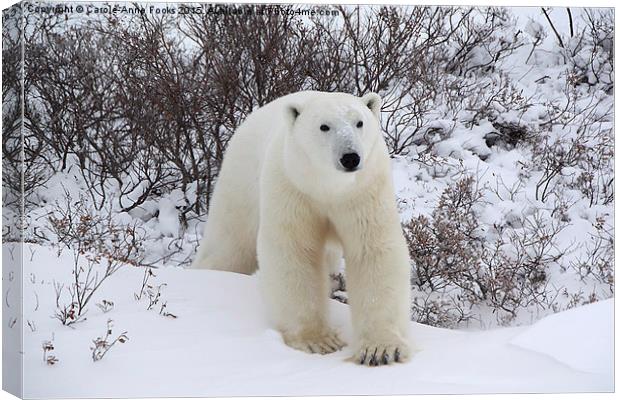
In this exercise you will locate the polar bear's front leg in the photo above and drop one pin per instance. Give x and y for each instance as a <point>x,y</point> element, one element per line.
<point>293,275</point>
<point>378,280</point>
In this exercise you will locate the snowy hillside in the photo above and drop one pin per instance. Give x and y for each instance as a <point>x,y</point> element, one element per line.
<point>220,338</point>
<point>499,122</point>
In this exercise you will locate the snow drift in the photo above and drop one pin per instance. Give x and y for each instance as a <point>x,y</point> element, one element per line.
<point>221,345</point>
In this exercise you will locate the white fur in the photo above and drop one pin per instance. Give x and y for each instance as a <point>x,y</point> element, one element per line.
<point>283,201</point>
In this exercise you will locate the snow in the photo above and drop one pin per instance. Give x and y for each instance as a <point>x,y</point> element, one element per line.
<point>168,218</point>
<point>222,345</point>
<point>594,336</point>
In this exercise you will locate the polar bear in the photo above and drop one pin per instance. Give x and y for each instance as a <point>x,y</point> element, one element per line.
<point>306,180</point>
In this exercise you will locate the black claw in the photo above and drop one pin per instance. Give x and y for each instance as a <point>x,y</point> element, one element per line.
<point>363,358</point>
<point>397,355</point>
<point>385,359</point>
<point>310,348</point>
<point>373,360</point>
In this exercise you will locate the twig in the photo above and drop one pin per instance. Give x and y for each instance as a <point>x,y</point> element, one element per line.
<point>557,35</point>
<point>101,344</point>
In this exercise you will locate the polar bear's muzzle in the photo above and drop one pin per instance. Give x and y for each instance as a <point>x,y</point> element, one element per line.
<point>347,146</point>
<point>350,161</point>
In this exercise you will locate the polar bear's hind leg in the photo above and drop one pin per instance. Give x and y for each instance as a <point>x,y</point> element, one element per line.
<point>229,240</point>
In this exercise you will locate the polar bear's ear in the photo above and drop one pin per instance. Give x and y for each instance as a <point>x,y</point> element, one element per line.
<point>373,101</point>
<point>292,112</point>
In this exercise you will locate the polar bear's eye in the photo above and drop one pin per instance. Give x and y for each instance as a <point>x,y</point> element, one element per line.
<point>324,128</point>
<point>359,124</point>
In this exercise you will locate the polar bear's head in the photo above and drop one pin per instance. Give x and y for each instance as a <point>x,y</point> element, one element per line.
<point>333,135</point>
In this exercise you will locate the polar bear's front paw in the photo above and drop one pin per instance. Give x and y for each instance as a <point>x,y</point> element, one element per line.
<point>321,343</point>
<point>375,354</point>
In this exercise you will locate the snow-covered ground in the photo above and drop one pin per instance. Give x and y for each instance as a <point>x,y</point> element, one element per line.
<point>221,345</point>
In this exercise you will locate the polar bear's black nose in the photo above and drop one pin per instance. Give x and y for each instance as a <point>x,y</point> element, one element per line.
<point>350,161</point>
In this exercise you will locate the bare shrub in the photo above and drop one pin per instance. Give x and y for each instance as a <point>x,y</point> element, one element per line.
<point>148,274</point>
<point>164,313</point>
<point>446,252</point>
<point>103,344</point>
<point>48,347</point>
<point>598,261</point>
<point>443,310</point>
<point>25,158</point>
<point>578,298</point>
<point>152,292</point>
<point>99,247</point>
<point>516,265</point>
<point>553,157</point>
<point>404,53</point>
<point>576,135</point>
<point>447,246</point>
<point>105,305</point>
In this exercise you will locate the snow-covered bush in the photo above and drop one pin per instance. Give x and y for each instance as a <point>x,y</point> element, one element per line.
<point>482,39</point>
<point>448,247</point>
<point>446,251</point>
<point>590,52</point>
<point>459,269</point>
